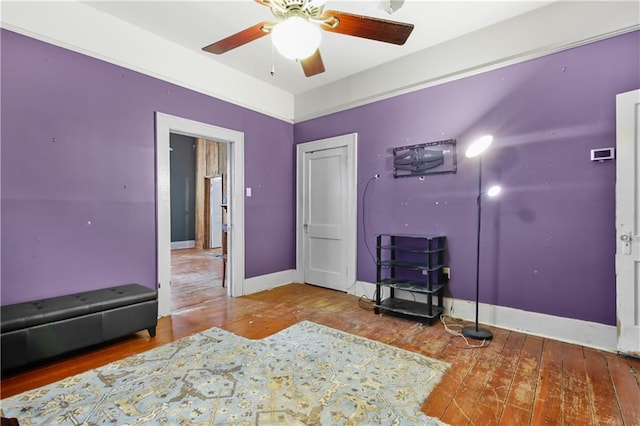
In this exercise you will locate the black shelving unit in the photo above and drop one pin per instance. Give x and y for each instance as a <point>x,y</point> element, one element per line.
<point>413,263</point>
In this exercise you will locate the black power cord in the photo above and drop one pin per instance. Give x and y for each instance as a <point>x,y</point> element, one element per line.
<point>364,218</point>
<point>364,302</point>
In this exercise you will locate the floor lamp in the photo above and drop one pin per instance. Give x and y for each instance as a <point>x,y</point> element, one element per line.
<point>476,149</point>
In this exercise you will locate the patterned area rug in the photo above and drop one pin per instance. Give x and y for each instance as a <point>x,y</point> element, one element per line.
<point>308,374</point>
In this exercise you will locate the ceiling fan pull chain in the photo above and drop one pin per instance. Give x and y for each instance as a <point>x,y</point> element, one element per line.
<point>273,64</point>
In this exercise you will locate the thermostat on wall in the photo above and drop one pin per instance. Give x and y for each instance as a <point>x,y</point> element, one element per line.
<point>601,154</point>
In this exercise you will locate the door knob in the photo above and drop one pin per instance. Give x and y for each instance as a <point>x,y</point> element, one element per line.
<point>626,242</point>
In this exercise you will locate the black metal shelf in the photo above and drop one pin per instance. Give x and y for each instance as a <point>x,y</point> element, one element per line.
<point>411,308</point>
<point>412,249</point>
<point>410,265</point>
<point>414,264</point>
<point>412,286</point>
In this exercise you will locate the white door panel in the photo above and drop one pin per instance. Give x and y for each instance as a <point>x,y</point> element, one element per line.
<point>325,217</point>
<point>333,232</point>
<point>326,263</point>
<point>326,212</point>
<point>628,221</point>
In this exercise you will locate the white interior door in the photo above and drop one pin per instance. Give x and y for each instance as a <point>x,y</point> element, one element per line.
<point>628,221</point>
<point>215,211</point>
<point>327,221</point>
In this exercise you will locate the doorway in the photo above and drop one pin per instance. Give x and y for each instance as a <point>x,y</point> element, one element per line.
<point>327,212</point>
<point>197,170</point>
<point>628,222</point>
<point>165,125</point>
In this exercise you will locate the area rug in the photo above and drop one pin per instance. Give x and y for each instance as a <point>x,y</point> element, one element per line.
<point>307,374</point>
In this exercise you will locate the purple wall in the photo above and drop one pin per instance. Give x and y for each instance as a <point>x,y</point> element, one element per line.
<point>78,191</point>
<point>78,165</point>
<point>548,243</point>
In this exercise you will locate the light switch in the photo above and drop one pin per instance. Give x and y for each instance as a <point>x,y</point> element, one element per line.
<point>248,190</point>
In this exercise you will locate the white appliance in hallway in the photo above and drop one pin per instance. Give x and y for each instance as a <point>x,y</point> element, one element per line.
<point>215,211</point>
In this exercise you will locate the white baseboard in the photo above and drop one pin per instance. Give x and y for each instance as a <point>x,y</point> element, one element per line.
<point>579,332</point>
<point>268,281</point>
<point>183,244</point>
<point>363,288</point>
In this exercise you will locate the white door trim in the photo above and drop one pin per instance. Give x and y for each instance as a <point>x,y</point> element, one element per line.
<point>165,125</point>
<point>350,141</point>
<point>627,252</point>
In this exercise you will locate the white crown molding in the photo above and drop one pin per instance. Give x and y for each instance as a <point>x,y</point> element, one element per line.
<point>550,29</point>
<point>556,27</point>
<point>81,28</point>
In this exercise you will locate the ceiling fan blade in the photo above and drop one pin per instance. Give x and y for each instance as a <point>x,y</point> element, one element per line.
<point>368,27</point>
<point>313,64</point>
<point>238,39</point>
<point>264,2</point>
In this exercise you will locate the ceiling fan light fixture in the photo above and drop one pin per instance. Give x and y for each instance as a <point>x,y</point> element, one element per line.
<point>296,38</point>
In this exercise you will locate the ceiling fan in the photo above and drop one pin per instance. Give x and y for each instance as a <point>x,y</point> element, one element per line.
<point>309,15</point>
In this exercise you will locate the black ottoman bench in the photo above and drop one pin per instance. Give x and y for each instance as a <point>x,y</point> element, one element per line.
<point>33,331</point>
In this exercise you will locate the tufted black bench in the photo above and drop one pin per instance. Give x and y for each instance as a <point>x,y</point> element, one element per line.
<point>33,331</point>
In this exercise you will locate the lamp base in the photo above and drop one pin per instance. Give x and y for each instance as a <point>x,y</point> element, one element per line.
<point>475,332</point>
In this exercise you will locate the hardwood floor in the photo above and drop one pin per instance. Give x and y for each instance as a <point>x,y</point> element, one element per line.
<point>196,276</point>
<point>517,379</point>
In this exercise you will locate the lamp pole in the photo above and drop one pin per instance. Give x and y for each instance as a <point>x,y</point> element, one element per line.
<point>474,331</point>
<point>479,203</point>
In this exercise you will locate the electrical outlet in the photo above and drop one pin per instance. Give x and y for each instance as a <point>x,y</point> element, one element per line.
<point>447,272</point>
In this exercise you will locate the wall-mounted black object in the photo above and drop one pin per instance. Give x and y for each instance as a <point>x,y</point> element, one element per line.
<point>425,159</point>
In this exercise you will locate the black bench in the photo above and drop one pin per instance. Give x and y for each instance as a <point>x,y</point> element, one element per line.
<point>33,331</point>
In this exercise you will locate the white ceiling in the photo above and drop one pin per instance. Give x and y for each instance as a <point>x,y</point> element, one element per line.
<point>195,24</point>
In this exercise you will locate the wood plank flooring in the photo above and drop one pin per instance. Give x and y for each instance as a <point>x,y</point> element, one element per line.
<point>516,380</point>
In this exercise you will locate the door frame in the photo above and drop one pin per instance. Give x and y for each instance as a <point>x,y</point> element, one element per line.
<point>350,141</point>
<point>628,330</point>
<point>165,125</point>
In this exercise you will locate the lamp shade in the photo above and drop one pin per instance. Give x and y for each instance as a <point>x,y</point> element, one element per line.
<point>479,146</point>
<point>494,191</point>
<point>296,38</point>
